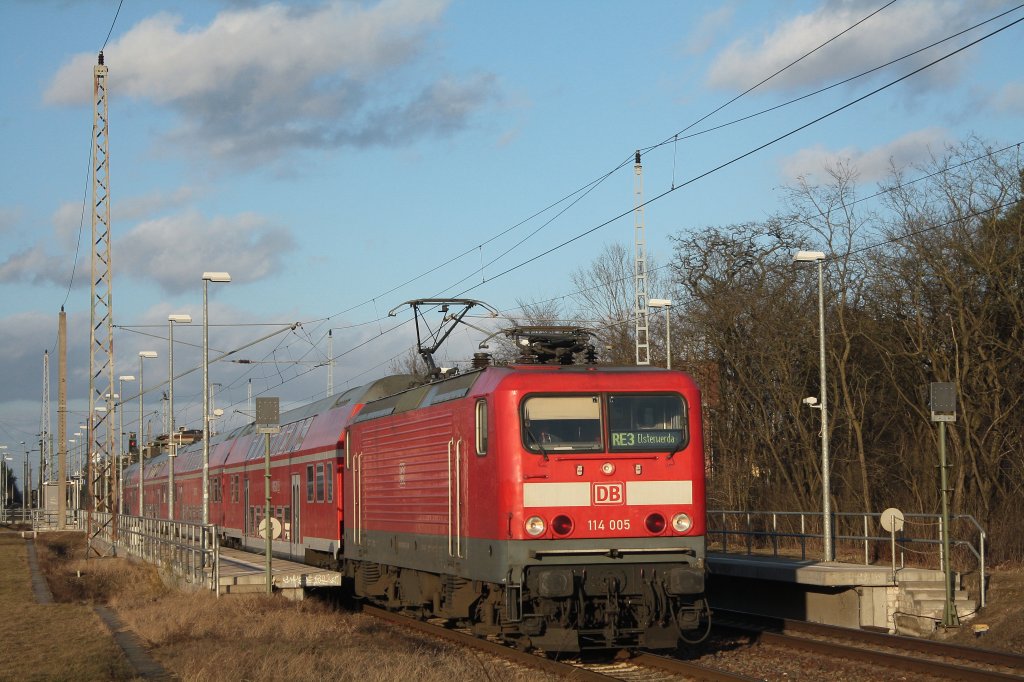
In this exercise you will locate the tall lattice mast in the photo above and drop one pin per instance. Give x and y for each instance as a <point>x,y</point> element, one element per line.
<point>45,435</point>
<point>101,347</point>
<point>643,347</point>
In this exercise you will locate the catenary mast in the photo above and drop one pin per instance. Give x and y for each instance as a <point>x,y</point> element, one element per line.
<point>101,346</point>
<point>643,346</point>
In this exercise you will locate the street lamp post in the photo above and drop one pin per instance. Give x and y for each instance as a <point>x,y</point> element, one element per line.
<point>143,356</point>
<point>24,486</point>
<point>3,479</point>
<point>207,278</point>
<point>172,446</point>
<point>120,441</point>
<point>826,505</point>
<point>666,304</point>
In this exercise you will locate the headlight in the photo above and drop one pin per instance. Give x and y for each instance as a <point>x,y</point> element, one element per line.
<point>681,523</point>
<point>535,526</point>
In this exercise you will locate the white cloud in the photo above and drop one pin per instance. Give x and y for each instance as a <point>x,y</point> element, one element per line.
<point>871,164</point>
<point>708,29</point>
<point>163,249</point>
<point>147,205</point>
<point>9,218</point>
<point>259,81</point>
<point>895,31</point>
<point>1010,99</point>
<point>175,250</point>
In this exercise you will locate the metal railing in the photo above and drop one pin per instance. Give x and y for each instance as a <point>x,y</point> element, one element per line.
<point>781,533</point>
<point>190,551</point>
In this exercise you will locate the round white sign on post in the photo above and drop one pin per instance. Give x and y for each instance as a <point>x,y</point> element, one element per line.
<point>892,520</point>
<point>275,528</point>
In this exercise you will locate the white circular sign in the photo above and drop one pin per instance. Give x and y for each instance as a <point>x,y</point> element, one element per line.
<point>275,528</point>
<point>892,520</point>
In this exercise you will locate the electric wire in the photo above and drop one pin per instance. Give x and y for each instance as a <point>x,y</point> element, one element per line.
<point>679,136</point>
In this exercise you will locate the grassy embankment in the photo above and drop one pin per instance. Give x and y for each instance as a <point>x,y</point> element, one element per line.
<point>254,637</point>
<point>58,641</point>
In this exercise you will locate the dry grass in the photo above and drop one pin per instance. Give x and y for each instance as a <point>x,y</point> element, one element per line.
<point>199,637</point>
<point>49,641</point>
<point>1003,614</point>
<point>269,638</point>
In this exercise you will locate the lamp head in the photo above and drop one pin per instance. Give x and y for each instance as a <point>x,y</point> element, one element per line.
<point>808,256</point>
<point>148,354</point>
<point>216,277</point>
<point>183,318</point>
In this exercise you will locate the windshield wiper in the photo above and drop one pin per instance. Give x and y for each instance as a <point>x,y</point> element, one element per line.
<point>536,442</point>
<point>678,446</point>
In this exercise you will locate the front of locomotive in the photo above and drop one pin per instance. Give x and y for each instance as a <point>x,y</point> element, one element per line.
<point>606,514</point>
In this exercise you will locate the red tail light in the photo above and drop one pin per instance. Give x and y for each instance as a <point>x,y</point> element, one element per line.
<point>562,525</point>
<point>655,523</point>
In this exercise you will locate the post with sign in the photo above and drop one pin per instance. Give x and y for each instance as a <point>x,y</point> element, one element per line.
<point>268,421</point>
<point>943,409</point>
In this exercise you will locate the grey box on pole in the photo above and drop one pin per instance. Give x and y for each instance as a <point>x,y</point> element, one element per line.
<point>943,401</point>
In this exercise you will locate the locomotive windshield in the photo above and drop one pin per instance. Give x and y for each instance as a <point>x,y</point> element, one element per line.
<point>636,422</point>
<point>559,423</point>
<point>647,422</point>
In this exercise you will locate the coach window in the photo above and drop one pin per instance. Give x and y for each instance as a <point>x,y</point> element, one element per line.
<point>309,483</point>
<point>319,482</point>
<point>561,423</point>
<point>330,481</point>
<point>481,427</point>
<point>647,422</point>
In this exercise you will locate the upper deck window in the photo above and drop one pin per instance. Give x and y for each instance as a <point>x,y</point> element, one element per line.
<point>647,422</point>
<point>562,423</point>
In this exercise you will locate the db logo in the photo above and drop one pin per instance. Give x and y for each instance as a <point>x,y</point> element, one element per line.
<point>609,493</point>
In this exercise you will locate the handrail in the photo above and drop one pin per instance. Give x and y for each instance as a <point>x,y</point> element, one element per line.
<point>189,550</point>
<point>766,526</point>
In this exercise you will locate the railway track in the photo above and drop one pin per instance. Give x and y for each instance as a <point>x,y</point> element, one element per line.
<point>905,654</point>
<point>640,668</point>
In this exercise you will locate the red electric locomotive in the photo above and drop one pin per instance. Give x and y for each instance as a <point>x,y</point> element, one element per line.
<point>554,504</point>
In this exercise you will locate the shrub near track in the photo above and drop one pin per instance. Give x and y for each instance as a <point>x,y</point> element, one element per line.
<point>60,641</point>
<point>255,637</point>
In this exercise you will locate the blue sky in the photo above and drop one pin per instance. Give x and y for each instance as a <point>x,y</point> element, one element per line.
<point>325,153</point>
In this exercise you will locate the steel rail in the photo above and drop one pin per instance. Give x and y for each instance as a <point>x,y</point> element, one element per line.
<point>499,650</point>
<point>923,646</point>
<point>881,658</point>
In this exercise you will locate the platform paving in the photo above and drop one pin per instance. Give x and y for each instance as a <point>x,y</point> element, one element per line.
<point>242,571</point>
<point>800,571</point>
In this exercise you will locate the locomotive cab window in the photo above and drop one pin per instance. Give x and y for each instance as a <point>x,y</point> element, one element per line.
<point>647,422</point>
<point>561,423</point>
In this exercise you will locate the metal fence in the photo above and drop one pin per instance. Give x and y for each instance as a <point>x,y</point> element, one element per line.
<point>780,533</point>
<point>190,551</point>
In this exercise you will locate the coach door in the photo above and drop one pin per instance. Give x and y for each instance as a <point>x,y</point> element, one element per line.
<point>248,525</point>
<point>296,530</point>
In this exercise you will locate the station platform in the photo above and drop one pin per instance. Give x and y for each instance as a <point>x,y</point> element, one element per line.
<point>907,601</point>
<point>245,572</point>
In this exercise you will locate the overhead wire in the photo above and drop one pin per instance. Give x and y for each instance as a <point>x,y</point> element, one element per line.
<point>691,180</point>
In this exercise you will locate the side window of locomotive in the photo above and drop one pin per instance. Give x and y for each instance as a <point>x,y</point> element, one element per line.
<point>560,423</point>
<point>481,427</point>
<point>647,422</point>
